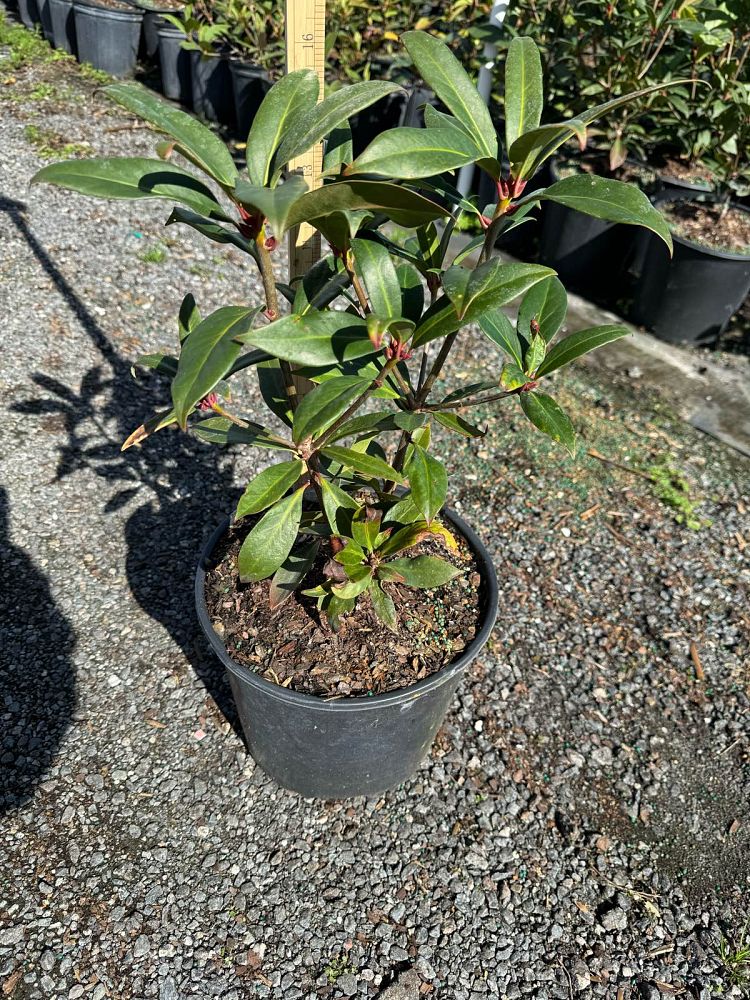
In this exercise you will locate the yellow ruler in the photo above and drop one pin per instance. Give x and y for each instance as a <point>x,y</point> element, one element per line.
<point>305,49</point>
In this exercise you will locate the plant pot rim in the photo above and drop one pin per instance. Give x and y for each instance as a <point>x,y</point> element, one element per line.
<point>489,614</point>
<point>662,196</point>
<point>127,12</point>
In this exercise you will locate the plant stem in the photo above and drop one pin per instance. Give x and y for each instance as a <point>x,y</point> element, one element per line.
<point>437,366</point>
<point>265,264</point>
<point>376,383</point>
<point>477,401</point>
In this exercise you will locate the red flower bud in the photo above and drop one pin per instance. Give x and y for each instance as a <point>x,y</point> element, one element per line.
<point>208,402</point>
<point>271,243</point>
<point>534,326</point>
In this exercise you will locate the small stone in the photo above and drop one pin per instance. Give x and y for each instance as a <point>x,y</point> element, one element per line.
<point>76,991</point>
<point>614,920</point>
<point>347,984</point>
<point>142,946</point>
<point>47,961</point>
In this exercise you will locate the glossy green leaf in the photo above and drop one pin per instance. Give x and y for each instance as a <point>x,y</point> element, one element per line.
<point>383,606</point>
<point>411,153</point>
<point>428,481</point>
<point>496,325</point>
<point>491,285</point>
<point>289,101</point>
<point>524,97</point>
<point>306,130</point>
<point>292,572</point>
<point>269,543</point>
<point>194,141</point>
<point>131,177</point>
<point>547,415</point>
<point>547,304</point>
<point>512,376</point>
<point>379,422</point>
<point>222,431</point>
<point>614,201</point>
<point>162,364</point>
<point>320,285</point>
<point>424,572</point>
<point>273,390</point>
<point>440,70</point>
<point>369,466</point>
<point>412,291</point>
<point>578,343</point>
<point>318,338</point>
<point>207,355</point>
<point>358,582</point>
<point>339,152</point>
<point>469,390</point>
<point>213,230</point>
<point>268,486</point>
<point>404,207</point>
<point>275,204</point>
<point>338,506</point>
<point>405,538</point>
<point>378,272</point>
<point>322,406</point>
<point>403,512</point>
<point>458,425</point>
<point>439,320</point>
<point>189,316</point>
<point>351,555</point>
<point>534,354</point>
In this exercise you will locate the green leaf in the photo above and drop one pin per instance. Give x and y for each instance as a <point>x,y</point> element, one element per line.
<point>378,422</point>
<point>292,572</point>
<point>273,390</point>
<point>491,285</point>
<point>269,486</point>
<point>428,481</point>
<point>424,572</point>
<point>466,391</point>
<point>439,320</point>
<point>286,103</point>
<point>352,553</point>
<point>534,353</point>
<point>524,97</point>
<point>357,584</point>
<point>306,130</point>
<point>317,338</point>
<point>411,153</point>
<point>440,70</point>
<point>402,513</point>
<point>207,355</point>
<point>512,376</point>
<point>271,540</point>
<point>547,303</point>
<point>458,425</point>
<point>383,606</point>
<point>545,414</point>
<point>320,285</point>
<point>339,151</point>
<point>378,272</point>
<point>412,291</point>
<point>194,141</point>
<point>405,538</point>
<point>213,230</point>
<point>578,343</point>
<point>614,201</point>
<point>404,207</point>
<point>131,177</point>
<point>276,203</point>
<point>324,405</point>
<point>222,431</point>
<point>162,364</point>
<point>366,465</point>
<point>339,507</point>
<point>189,316</point>
<point>501,331</point>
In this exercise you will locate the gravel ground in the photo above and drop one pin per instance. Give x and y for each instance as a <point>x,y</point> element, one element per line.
<point>582,824</point>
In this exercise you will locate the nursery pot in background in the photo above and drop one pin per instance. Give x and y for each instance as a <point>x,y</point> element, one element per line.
<point>211,87</point>
<point>108,37</point>
<point>250,83</point>
<point>28,11</point>
<point>45,19</point>
<point>174,62</point>
<point>350,746</point>
<point>690,298</point>
<point>63,25</point>
<point>151,21</point>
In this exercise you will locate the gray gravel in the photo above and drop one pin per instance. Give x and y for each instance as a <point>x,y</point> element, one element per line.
<point>581,826</point>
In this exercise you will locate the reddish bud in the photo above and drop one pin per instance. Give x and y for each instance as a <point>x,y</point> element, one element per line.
<point>208,402</point>
<point>529,386</point>
<point>270,314</point>
<point>271,243</point>
<point>534,326</point>
<point>485,221</point>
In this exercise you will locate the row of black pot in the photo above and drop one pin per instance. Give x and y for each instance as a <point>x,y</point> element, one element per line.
<point>689,298</point>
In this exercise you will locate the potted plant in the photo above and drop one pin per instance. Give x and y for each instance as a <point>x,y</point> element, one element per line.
<point>63,25</point>
<point>348,528</point>
<point>174,60</point>
<point>108,34</point>
<point>211,84</point>
<point>255,37</point>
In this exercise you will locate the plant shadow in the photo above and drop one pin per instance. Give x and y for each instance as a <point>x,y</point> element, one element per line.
<point>184,486</point>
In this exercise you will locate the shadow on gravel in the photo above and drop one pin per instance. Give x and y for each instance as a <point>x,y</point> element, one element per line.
<point>37,676</point>
<point>184,486</point>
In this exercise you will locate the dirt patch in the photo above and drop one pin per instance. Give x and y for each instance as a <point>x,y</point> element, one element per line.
<point>690,173</point>
<point>295,647</point>
<point>710,225</point>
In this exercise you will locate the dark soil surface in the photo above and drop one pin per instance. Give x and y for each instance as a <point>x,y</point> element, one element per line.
<point>706,224</point>
<point>294,646</point>
<point>691,173</point>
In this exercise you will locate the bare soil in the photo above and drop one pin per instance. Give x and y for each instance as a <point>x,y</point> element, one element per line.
<point>710,225</point>
<point>690,173</point>
<point>294,646</point>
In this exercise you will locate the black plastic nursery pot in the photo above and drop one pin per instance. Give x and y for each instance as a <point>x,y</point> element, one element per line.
<point>152,19</point>
<point>108,38</point>
<point>63,25</point>
<point>28,11</point>
<point>250,84</point>
<point>690,298</point>
<point>174,62</point>
<point>211,83</point>
<point>45,19</point>
<point>352,746</point>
